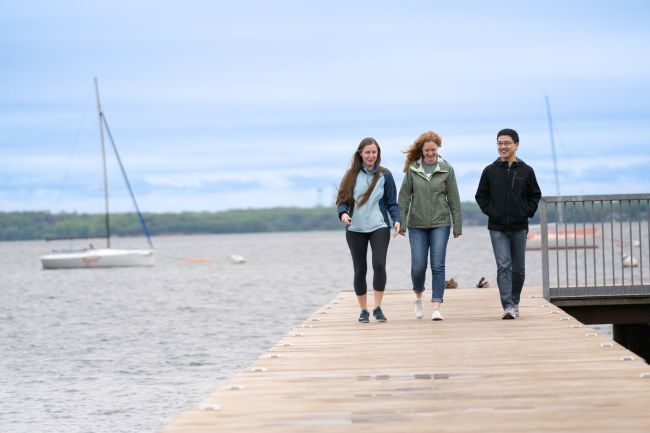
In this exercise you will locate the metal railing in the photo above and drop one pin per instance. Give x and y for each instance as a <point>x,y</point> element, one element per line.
<point>595,246</point>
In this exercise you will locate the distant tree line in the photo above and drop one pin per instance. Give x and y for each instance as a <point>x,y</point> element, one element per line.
<point>43,225</point>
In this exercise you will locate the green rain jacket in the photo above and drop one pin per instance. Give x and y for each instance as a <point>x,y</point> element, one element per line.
<point>428,202</point>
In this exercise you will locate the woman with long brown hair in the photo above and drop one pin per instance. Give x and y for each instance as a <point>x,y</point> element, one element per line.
<point>366,198</point>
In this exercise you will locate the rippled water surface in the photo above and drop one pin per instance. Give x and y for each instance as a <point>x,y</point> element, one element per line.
<point>128,349</point>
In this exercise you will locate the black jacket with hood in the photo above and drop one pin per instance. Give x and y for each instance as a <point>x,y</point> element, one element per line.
<point>508,195</point>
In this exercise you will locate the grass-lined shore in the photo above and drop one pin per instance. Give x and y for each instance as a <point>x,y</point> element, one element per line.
<point>32,225</point>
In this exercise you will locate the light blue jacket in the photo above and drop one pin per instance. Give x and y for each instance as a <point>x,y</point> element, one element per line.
<point>382,202</point>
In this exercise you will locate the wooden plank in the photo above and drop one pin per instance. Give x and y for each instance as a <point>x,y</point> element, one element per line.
<point>471,372</point>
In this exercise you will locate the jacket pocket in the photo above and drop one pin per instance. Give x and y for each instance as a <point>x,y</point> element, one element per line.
<point>497,215</point>
<point>416,215</point>
<point>520,213</point>
<point>491,211</point>
<point>518,185</point>
<point>376,219</point>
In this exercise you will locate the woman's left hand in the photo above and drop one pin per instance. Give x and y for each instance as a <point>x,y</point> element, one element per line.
<point>397,227</point>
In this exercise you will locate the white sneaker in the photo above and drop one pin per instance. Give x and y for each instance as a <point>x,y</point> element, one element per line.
<point>436,315</point>
<point>508,314</point>
<point>419,311</point>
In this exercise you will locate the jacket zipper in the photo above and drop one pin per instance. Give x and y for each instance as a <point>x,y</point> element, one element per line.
<point>508,196</point>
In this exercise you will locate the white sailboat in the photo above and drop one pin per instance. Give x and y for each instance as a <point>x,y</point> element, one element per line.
<point>562,239</point>
<point>91,257</point>
<point>97,258</point>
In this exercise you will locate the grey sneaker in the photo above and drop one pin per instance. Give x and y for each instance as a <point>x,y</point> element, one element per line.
<point>508,313</point>
<point>364,317</point>
<point>379,315</point>
<point>419,310</point>
<point>436,315</point>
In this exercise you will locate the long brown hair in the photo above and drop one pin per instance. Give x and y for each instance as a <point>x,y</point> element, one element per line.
<point>345,193</point>
<point>414,152</point>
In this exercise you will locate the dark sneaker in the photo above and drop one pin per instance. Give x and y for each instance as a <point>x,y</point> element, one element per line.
<point>364,317</point>
<point>379,315</point>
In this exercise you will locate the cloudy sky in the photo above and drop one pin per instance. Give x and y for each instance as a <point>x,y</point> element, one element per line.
<point>219,104</point>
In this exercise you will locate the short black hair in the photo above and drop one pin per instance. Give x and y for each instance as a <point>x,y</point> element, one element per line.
<point>510,133</point>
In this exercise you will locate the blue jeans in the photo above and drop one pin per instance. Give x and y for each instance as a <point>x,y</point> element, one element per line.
<point>510,254</point>
<point>429,244</point>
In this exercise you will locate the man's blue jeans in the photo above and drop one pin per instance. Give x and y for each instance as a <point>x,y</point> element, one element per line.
<point>429,244</point>
<point>510,253</point>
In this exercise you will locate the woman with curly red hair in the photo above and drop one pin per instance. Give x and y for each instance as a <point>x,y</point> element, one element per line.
<point>429,205</point>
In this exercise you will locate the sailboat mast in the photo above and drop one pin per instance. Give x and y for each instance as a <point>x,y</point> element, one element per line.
<point>560,213</point>
<point>101,139</point>
<point>550,128</point>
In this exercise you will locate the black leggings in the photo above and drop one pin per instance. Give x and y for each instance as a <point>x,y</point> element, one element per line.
<point>358,243</point>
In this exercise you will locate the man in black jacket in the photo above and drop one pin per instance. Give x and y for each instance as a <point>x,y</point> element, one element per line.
<point>508,194</point>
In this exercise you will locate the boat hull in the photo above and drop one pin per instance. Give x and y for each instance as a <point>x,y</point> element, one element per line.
<point>97,258</point>
<point>562,239</point>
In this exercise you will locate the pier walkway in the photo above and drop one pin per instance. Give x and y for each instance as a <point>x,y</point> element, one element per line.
<point>472,372</point>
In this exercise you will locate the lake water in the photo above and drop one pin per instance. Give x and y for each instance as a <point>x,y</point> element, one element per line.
<point>128,349</point>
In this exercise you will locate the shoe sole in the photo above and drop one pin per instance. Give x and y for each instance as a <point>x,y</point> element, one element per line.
<point>508,317</point>
<point>381,320</point>
<point>364,321</point>
<point>437,319</point>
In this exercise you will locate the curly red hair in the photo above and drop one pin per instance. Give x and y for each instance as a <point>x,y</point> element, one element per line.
<point>414,152</point>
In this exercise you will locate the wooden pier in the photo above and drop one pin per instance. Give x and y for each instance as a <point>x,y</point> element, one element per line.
<point>472,372</point>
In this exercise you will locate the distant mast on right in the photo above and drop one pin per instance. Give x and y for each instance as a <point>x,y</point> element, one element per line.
<point>557,177</point>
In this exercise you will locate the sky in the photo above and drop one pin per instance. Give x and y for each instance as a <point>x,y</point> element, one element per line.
<point>218,105</point>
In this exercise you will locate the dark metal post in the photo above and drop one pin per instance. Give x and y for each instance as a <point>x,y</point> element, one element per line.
<point>545,265</point>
